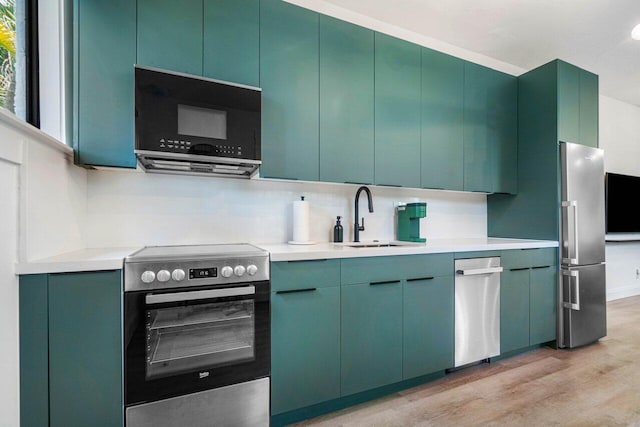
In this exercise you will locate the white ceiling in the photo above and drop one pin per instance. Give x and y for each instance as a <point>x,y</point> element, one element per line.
<point>592,34</point>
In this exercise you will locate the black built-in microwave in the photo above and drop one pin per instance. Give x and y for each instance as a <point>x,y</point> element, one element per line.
<point>196,125</point>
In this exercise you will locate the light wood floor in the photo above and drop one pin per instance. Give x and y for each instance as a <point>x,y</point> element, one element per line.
<point>597,385</point>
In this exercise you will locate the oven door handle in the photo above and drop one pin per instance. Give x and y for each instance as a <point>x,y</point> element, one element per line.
<point>196,295</point>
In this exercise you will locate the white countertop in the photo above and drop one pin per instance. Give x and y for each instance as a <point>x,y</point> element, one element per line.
<point>286,252</point>
<point>84,260</point>
<point>112,258</point>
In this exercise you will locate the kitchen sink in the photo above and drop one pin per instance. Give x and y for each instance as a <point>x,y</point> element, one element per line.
<point>378,244</point>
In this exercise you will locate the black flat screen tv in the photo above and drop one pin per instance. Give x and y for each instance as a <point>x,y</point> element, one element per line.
<point>622,212</point>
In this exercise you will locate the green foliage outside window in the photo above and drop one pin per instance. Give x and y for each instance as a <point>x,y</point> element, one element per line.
<point>7,54</point>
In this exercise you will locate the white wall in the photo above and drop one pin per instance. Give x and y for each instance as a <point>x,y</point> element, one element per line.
<point>620,138</point>
<point>135,209</point>
<point>42,213</point>
<point>8,293</point>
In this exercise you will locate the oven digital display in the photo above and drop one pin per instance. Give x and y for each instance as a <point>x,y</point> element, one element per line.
<point>203,273</point>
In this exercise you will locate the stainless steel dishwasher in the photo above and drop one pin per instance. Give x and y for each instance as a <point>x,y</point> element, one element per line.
<point>477,309</point>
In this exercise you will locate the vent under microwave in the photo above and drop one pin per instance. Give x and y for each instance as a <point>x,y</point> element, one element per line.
<point>190,164</point>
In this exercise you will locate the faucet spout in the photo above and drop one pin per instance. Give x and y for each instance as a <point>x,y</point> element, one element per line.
<point>357,227</point>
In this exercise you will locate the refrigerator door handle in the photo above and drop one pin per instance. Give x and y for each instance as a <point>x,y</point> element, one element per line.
<point>572,204</point>
<point>571,305</point>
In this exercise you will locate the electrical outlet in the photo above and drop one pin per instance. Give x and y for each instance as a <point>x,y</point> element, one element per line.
<point>637,273</point>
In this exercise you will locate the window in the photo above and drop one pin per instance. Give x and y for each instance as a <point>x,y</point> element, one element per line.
<point>19,59</point>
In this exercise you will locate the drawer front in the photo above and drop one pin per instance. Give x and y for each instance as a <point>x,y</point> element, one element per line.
<point>377,269</point>
<point>518,258</point>
<point>288,275</point>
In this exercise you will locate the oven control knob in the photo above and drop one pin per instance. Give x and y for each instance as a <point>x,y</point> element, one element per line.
<point>163,276</point>
<point>226,271</point>
<point>148,276</point>
<point>239,270</point>
<point>178,275</point>
<point>252,270</point>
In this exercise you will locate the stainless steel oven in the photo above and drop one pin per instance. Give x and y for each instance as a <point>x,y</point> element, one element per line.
<point>197,336</point>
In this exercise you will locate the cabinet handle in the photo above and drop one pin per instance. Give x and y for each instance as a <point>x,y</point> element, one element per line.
<point>308,260</point>
<point>389,185</point>
<point>357,183</point>
<point>433,188</point>
<point>293,291</point>
<point>519,269</point>
<point>386,282</point>
<point>541,266</point>
<point>419,278</point>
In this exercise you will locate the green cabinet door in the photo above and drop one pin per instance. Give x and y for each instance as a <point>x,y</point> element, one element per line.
<point>397,112</point>
<point>504,133</point>
<point>371,338</point>
<point>346,102</point>
<point>442,130</point>
<point>568,102</point>
<point>305,348</point>
<point>85,349</point>
<point>170,35</point>
<point>105,51</point>
<point>478,164</point>
<point>543,297</point>
<point>232,41</point>
<point>514,309</point>
<point>588,109</point>
<point>490,130</point>
<point>289,81</point>
<point>428,329</point>
<point>34,351</point>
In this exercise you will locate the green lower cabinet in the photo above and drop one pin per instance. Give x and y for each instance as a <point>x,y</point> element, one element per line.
<point>73,324</point>
<point>305,348</point>
<point>428,329</point>
<point>543,297</point>
<point>371,338</point>
<point>514,309</point>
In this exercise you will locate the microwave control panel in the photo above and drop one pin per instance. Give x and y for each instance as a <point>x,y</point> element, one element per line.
<point>186,146</point>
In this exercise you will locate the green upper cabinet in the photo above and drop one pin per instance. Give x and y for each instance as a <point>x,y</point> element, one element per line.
<point>397,112</point>
<point>346,102</point>
<point>428,329</point>
<point>371,336</point>
<point>105,51</point>
<point>170,35</point>
<point>568,102</point>
<point>490,130</point>
<point>442,130</point>
<point>232,41</point>
<point>589,102</point>
<point>577,105</point>
<point>290,99</point>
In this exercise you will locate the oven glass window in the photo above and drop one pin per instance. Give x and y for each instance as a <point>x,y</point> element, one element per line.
<point>203,122</point>
<point>204,336</point>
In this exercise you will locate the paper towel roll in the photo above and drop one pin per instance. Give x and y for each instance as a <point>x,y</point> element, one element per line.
<point>301,227</point>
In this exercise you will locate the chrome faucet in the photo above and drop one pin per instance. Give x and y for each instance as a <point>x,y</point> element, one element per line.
<point>358,228</point>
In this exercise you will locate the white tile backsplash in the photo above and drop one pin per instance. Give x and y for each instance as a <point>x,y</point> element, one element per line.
<point>127,208</point>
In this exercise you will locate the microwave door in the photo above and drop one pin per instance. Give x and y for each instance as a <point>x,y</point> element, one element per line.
<point>582,206</point>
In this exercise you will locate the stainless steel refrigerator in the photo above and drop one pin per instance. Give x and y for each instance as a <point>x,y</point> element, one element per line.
<point>582,297</point>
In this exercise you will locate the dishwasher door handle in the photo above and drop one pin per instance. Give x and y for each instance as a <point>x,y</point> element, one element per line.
<point>477,271</point>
